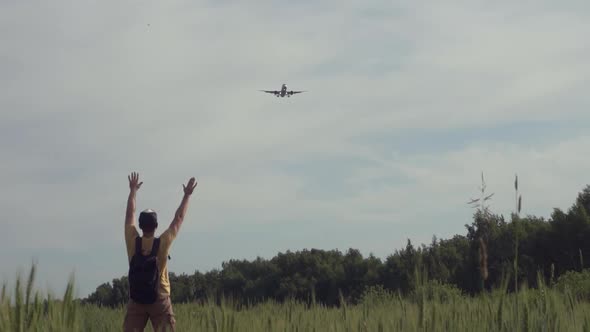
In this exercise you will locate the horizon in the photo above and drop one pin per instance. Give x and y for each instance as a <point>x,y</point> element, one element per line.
<point>407,105</point>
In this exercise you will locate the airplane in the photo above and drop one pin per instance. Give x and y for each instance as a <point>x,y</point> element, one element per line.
<point>283,92</point>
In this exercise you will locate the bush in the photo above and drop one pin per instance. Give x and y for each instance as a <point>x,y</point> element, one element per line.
<point>377,295</point>
<point>578,283</point>
<point>433,290</point>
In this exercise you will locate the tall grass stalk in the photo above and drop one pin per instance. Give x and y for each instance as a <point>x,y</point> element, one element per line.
<point>516,278</point>
<point>28,312</point>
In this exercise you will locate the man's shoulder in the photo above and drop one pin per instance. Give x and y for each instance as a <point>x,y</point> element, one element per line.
<point>168,235</point>
<point>131,232</point>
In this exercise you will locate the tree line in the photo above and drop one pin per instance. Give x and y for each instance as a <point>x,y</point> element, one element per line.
<point>492,250</point>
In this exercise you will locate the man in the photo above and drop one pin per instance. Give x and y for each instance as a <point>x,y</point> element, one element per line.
<point>153,303</point>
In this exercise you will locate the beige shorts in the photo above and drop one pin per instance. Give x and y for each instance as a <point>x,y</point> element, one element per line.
<point>160,313</point>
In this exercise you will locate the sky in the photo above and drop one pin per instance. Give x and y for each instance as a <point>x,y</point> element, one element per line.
<point>407,104</point>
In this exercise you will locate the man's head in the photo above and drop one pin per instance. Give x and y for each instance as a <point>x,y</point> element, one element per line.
<point>148,221</point>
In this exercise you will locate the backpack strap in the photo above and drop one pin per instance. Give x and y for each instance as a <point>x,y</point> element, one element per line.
<point>155,247</point>
<point>138,245</point>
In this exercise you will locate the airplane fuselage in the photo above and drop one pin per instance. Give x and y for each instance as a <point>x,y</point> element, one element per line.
<point>283,90</point>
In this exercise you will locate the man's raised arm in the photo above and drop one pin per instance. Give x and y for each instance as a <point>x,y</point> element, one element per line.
<point>181,211</point>
<point>134,185</point>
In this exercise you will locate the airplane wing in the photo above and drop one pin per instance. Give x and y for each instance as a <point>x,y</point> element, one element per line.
<point>271,91</point>
<point>294,92</point>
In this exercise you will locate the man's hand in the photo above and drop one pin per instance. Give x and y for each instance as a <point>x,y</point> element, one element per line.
<point>190,186</point>
<point>134,183</point>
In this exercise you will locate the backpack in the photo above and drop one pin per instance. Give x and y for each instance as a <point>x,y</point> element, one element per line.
<point>144,275</point>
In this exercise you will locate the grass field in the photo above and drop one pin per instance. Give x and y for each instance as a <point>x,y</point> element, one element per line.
<point>542,309</point>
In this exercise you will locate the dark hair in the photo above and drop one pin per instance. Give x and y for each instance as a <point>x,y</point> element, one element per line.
<point>148,220</point>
